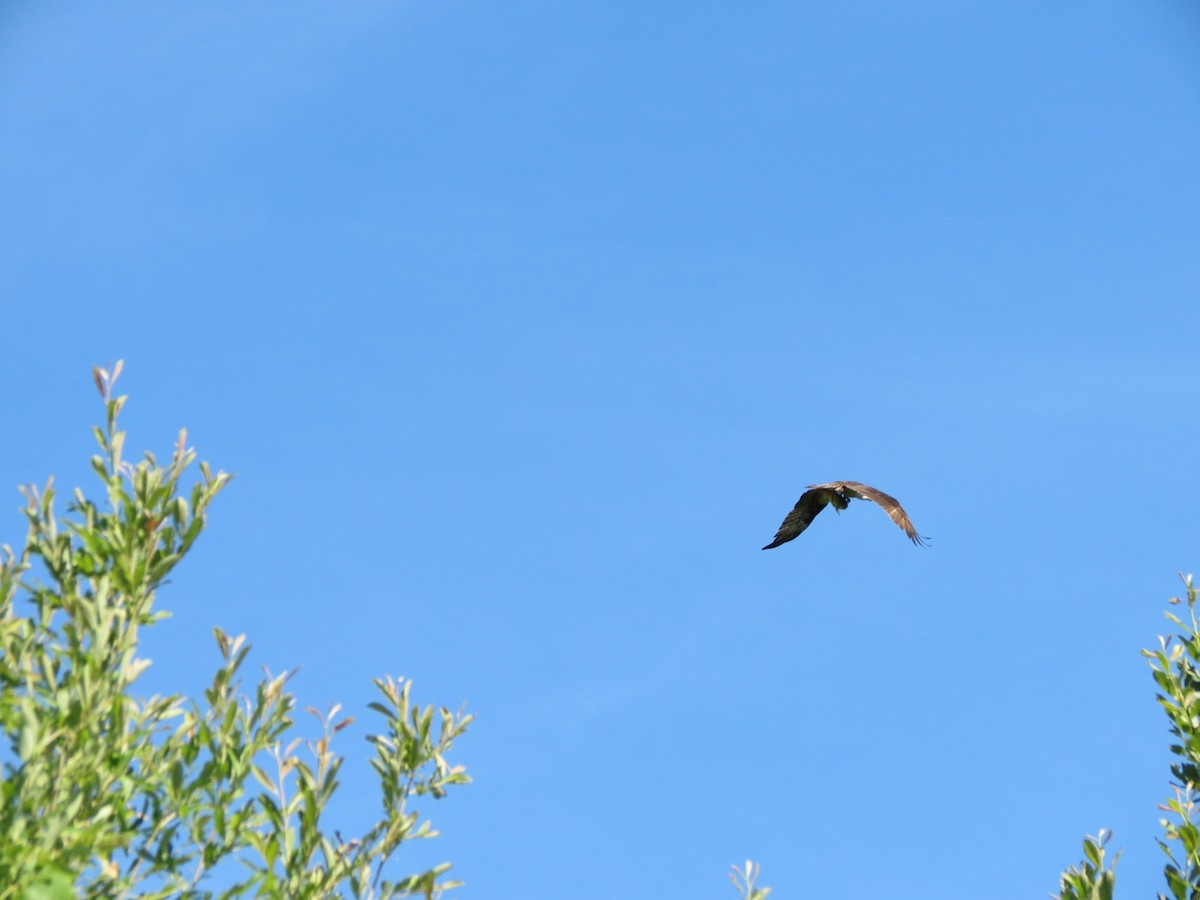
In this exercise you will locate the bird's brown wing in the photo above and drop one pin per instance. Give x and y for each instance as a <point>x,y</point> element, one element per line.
<point>890,505</point>
<point>810,503</point>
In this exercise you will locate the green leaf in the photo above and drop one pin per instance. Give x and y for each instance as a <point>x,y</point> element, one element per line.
<point>52,884</point>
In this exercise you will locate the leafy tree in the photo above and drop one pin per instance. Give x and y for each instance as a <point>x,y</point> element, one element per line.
<point>108,794</point>
<point>1092,879</point>
<point>743,880</point>
<point>1175,665</point>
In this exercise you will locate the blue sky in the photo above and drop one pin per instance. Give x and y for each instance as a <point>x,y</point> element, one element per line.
<point>524,324</point>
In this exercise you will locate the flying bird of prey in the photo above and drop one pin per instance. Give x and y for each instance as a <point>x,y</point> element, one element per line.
<point>840,493</point>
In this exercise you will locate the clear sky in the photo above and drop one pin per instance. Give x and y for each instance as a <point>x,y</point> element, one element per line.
<point>523,325</point>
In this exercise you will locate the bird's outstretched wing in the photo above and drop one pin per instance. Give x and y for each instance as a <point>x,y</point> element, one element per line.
<point>810,503</point>
<point>890,505</point>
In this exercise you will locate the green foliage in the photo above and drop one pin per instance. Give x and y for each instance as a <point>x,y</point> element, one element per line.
<point>107,794</point>
<point>1175,665</point>
<point>51,884</point>
<point>743,880</point>
<point>1092,879</point>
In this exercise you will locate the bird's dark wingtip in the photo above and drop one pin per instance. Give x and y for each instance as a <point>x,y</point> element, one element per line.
<point>770,546</point>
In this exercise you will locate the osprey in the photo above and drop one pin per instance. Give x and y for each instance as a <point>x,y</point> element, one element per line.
<point>840,493</point>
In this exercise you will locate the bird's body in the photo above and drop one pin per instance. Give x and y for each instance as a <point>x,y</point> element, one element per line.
<point>839,494</point>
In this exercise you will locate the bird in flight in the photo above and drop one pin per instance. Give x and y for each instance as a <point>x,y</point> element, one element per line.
<point>840,493</point>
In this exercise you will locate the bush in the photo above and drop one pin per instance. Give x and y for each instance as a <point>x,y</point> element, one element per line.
<point>108,794</point>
